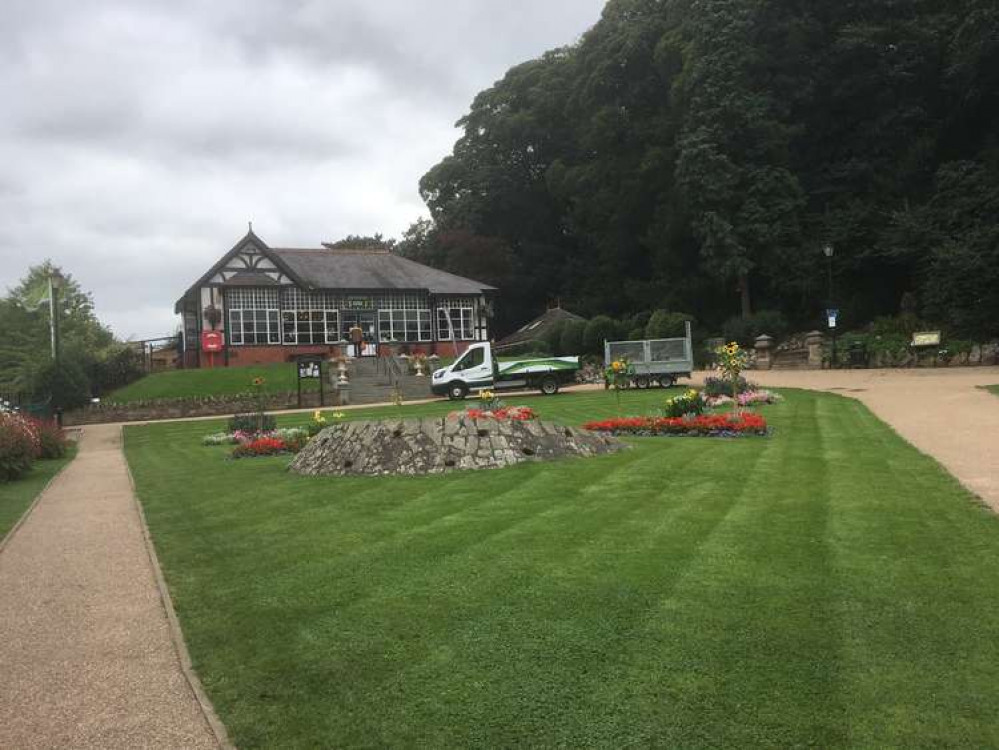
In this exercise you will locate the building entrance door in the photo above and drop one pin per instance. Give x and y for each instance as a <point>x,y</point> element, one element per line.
<point>365,320</point>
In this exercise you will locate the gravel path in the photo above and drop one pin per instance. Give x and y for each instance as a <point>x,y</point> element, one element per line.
<point>943,412</point>
<point>87,657</point>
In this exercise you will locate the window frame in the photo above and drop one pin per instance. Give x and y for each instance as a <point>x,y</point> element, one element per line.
<point>444,330</point>
<point>398,322</point>
<point>238,333</point>
<point>294,336</point>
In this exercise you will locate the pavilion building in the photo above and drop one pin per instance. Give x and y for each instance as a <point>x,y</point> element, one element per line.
<point>269,304</point>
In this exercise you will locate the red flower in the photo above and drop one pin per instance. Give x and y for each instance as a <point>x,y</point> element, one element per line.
<point>704,424</point>
<point>267,446</point>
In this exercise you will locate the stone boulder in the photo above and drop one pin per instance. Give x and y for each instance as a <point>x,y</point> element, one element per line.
<point>442,444</point>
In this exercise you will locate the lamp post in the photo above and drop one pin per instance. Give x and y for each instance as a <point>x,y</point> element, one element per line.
<point>829,250</point>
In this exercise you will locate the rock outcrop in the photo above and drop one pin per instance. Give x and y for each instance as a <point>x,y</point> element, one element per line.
<point>438,445</point>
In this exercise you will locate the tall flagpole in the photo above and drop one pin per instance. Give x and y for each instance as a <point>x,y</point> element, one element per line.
<point>52,320</point>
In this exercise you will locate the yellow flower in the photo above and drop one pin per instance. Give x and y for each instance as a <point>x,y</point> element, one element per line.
<point>617,366</point>
<point>338,415</point>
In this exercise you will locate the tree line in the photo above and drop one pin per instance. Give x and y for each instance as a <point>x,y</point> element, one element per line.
<point>92,361</point>
<point>700,155</point>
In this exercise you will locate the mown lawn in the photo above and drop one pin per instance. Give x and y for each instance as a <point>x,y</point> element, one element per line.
<point>15,497</point>
<point>222,381</point>
<point>993,388</point>
<point>826,587</point>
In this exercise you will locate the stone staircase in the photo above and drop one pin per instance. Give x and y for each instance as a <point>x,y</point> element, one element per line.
<point>792,359</point>
<point>373,380</point>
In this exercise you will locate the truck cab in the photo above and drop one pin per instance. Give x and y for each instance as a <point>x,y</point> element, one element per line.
<point>477,369</point>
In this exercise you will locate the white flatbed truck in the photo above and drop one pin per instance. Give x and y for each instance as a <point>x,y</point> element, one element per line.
<point>478,370</point>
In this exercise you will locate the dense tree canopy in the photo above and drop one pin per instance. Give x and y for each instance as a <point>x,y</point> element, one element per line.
<point>698,154</point>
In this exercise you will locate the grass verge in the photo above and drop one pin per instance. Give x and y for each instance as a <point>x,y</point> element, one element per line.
<point>828,586</point>
<point>15,497</point>
<point>223,381</point>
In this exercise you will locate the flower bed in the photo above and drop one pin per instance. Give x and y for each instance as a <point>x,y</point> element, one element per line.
<point>264,446</point>
<point>506,413</point>
<point>749,398</point>
<point>705,425</point>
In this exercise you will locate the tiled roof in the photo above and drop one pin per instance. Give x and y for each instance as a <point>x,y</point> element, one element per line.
<point>371,269</point>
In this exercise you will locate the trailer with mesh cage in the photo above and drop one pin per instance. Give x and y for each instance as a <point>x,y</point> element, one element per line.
<point>654,362</point>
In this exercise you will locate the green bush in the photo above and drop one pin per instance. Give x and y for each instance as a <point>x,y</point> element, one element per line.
<point>571,343</point>
<point>745,331</point>
<point>667,325</point>
<point>638,322</point>
<point>686,403</point>
<point>252,423</point>
<point>598,330</point>
<point>553,337</point>
<point>66,382</point>
<point>720,387</point>
<point>115,368</point>
<point>892,327</point>
<point>51,440</point>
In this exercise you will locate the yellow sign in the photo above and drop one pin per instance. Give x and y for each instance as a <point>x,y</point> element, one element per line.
<point>926,338</point>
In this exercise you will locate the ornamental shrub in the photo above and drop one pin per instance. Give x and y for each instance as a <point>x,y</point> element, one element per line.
<point>66,382</point>
<point>667,325</point>
<point>19,446</point>
<point>571,341</point>
<point>252,423</point>
<point>744,331</point>
<point>687,403</point>
<point>51,439</point>
<point>719,387</point>
<point>598,330</point>
<point>553,336</point>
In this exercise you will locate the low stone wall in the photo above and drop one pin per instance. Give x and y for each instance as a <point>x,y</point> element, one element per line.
<point>179,408</point>
<point>439,445</point>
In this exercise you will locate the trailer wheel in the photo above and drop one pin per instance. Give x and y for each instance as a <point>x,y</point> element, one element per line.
<point>457,391</point>
<point>549,385</point>
<point>642,382</point>
<point>667,381</point>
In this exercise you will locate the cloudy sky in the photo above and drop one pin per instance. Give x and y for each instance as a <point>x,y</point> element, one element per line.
<point>138,137</point>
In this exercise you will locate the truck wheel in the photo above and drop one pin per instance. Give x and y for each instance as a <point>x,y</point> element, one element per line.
<point>642,382</point>
<point>457,391</point>
<point>667,381</point>
<point>549,386</point>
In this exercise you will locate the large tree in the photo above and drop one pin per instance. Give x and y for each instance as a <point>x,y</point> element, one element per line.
<point>699,154</point>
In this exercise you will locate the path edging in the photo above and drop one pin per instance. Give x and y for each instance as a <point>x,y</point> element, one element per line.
<point>176,633</point>
<point>30,508</point>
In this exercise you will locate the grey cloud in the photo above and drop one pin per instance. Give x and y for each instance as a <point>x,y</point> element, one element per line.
<point>138,136</point>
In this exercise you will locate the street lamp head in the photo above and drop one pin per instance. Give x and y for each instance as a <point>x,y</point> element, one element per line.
<point>828,250</point>
<point>57,279</point>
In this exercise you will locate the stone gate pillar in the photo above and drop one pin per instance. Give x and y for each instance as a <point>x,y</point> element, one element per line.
<point>764,352</point>
<point>815,342</point>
